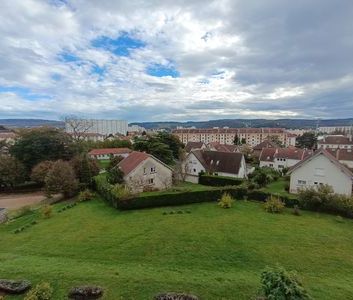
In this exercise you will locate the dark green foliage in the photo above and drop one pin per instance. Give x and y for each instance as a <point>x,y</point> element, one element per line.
<point>213,180</point>
<point>85,169</point>
<point>263,176</point>
<point>11,172</point>
<point>172,141</point>
<point>324,199</point>
<point>36,145</point>
<point>279,284</point>
<point>306,140</point>
<point>153,145</point>
<point>114,162</point>
<point>115,175</point>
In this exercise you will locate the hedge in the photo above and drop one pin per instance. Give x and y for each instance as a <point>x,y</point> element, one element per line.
<point>213,180</point>
<point>179,198</point>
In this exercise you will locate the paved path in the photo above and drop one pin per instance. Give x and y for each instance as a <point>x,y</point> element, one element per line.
<point>15,201</point>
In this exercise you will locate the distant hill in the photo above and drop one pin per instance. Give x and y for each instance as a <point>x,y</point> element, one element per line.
<point>238,123</point>
<point>23,123</point>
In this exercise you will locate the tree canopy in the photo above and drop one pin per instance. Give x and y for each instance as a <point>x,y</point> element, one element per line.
<point>307,140</point>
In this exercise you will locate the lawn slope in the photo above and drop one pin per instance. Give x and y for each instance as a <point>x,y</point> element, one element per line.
<point>212,252</point>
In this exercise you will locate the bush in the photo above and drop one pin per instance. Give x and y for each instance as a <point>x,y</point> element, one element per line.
<point>115,175</point>
<point>120,191</point>
<point>47,211</point>
<point>42,291</point>
<point>324,199</point>
<point>226,201</point>
<point>263,176</point>
<point>277,283</point>
<point>85,195</point>
<point>213,180</point>
<point>274,205</point>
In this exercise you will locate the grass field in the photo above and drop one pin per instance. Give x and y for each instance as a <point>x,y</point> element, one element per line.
<point>278,187</point>
<point>211,252</point>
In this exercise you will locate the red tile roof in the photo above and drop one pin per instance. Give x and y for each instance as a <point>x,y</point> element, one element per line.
<point>336,140</point>
<point>341,154</point>
<point>108,151</point>
<point>265,144</point>
<point>223,147</point>
<point>130,162</point>
<point>270,154</point>
<point>193,145</point>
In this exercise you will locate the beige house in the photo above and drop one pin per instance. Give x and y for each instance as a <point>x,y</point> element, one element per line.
<point>318,169</point>
<point>230,164</point>
<point>144,172</point>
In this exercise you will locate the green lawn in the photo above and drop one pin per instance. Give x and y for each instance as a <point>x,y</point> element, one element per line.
<point>212,252</point>
<point>104,163</point>
<point>278,187</point>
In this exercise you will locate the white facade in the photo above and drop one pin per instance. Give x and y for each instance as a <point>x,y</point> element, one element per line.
<point>279,163</point>
<point>331,129</point>
<point>319,170</point>
<point>105,127</point>
<point>150,174</point>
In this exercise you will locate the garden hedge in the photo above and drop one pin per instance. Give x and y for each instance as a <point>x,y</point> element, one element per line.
<point>179,198</point>
<point>213,180</point>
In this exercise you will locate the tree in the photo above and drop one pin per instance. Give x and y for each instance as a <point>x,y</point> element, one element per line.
<point>85,169</point>
<point>77,127</point>
<point>172,141</point>
<point>61,179</point>
<point>11,171</point>
<point>275,139</point>
<point>40,144</point>
<point>114,162</point>
<point>181,168</point>
<point>154,146</point>
<point>236,140</point>
<point>115,176</point>
<point>40,171</point>
<point>307,140</point>
<point>243,141</point>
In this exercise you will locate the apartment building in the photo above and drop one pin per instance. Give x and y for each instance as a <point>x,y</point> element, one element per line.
<point>104,127</point>
<point>251,136</point>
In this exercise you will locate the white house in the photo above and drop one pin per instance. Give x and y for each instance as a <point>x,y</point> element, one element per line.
<point>144,172</point>
<point>280,158</point>
<point>231,164</point>
<point>108,153</point>
<point>318,169</point>
<point>335,142</point>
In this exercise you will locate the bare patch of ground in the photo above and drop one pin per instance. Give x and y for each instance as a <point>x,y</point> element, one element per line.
<point>15,201</point>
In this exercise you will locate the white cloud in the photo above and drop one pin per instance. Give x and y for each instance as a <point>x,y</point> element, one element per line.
<point>242,59</point>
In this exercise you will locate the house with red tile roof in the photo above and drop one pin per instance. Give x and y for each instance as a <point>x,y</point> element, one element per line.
<point>230,164</point>
<point>335,142</point>
<point>194,146</point>
<point>281,158</point>
<point>318,169</point>
<point>216,146</point>
<point>265,144</point>
<point>108,153</point>
<point>144,172</point>
<point>344,156</point>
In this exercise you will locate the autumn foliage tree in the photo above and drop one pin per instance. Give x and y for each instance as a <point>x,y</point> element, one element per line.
<point>61,179</point>
<point>40,171</point>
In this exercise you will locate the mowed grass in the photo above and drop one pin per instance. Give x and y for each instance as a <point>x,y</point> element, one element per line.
<point>211,252</point>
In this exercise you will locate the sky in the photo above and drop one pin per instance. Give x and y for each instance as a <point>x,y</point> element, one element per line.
<point>173,60</point>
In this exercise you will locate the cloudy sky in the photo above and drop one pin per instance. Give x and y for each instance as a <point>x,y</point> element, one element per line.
<point>176,60</point>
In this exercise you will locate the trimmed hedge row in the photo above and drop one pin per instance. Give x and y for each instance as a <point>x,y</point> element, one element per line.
<point>213,180</point>
<point>178,198</point>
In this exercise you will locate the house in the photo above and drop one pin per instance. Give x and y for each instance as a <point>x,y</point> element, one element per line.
<point>215,146</point>
<point>194,145</point>
<point>344,156</point>
<point>231,164</point>
<point>263,145</point>
<point>335,141</point>
<point>144,172</point>
<point>108,153</point>
<point>318,169</point>
<point>281,158</point>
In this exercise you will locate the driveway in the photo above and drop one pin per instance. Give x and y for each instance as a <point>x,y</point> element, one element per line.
<point>15,201</point>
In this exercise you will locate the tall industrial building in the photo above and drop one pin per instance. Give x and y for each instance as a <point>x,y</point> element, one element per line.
<point>105,127</point>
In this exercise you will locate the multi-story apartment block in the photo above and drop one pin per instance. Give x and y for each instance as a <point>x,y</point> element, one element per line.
<point>104,127</point>
<point>251,136</point>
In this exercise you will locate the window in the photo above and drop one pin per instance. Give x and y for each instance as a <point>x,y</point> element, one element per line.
<point>150,181</point>
<point>194,170</point>
<point>319,172</point>
<point>280,166</point>
<point>153,169</point>
<point>301,181</point>
<point>144,171</point>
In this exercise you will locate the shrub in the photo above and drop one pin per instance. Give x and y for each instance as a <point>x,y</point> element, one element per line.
<point>120,191</point>
<point>263,176</point>
<point>115,175</point>
<point>40,171</point>
<point>42,291</point>
<point>296,210</point>
<point>47,211</point>
<point>324,199</point>
<point>85,195</point>
<point>226,201</point>
<point>277,283</point>
<point>274,205</point>
<point>213,180</point>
